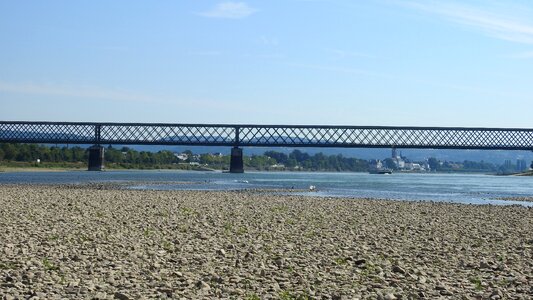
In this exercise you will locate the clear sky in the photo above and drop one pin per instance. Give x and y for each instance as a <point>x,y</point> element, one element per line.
<point>380,62</point>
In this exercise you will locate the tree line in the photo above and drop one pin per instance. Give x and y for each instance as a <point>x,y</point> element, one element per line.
<point>318,162</point>
<point>126,157</point>
<point>32,152</point>
<point>297,160</point>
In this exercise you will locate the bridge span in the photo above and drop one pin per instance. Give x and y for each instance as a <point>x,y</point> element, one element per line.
<point>240,135</point>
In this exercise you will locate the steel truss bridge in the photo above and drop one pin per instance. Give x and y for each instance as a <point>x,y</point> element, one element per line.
<point>265,135</point>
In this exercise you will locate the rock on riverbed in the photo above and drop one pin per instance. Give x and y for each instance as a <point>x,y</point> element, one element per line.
<point>88,243</point>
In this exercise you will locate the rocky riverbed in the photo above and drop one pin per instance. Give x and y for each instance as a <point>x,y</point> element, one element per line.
<point>92,243</point>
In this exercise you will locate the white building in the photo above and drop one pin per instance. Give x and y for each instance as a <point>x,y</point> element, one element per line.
<point>181,156</point>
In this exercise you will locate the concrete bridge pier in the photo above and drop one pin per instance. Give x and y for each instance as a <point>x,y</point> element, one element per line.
<point>236,164</point>
<point>96,158</point>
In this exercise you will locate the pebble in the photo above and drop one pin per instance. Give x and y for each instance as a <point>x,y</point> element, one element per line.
<point>203,285</point>
<point>121,296</point>
<point>390,297</point>
<point>398,269</point>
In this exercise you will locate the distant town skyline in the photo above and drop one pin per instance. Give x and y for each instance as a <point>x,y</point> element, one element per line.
<point>381,62</point>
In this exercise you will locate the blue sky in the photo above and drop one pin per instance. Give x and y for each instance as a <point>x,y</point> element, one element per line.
<point>381,62</point>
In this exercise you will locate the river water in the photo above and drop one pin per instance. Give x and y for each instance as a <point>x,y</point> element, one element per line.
<point>457,188</point>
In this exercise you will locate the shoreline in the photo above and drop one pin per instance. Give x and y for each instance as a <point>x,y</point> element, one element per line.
<point>97,242</point>
<point>136,185</point>
<point>9,169</point>
<point>34,169</point>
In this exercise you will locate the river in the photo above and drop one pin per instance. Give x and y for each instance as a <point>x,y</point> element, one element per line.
<point>457,188</point>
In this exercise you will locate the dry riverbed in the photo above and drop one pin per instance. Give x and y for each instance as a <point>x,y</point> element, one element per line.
<point>92,243</point>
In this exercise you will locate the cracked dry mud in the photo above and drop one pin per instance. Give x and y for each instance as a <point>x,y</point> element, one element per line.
<point>61,242</point>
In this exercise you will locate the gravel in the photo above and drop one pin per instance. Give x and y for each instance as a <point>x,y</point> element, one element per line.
<point>64,242</point>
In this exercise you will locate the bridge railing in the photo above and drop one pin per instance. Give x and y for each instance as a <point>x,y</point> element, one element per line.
<point>115,133</point>
<point>386,137</point>
<point>167,134</point>
<point>48,132</point>
<point>265,135</point>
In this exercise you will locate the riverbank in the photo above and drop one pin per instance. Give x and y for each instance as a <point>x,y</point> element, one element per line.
<point>527,173</point>
<point>42,167</point>
<point>101,242</point>
<point>64,167</point>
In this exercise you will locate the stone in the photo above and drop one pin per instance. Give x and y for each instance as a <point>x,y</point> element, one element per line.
<point>484,264</point>
<point>8,285</point>
<point>216,278</point>
<point>202,285</point>
<point>398,269</point>
<point>121,296</point>
<point>390,296</point>
<point>280,262</point>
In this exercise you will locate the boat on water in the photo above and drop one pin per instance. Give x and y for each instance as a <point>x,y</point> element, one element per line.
<point>380,171</point>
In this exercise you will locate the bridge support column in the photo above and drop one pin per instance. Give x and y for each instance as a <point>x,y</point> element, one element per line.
<point>96,158</point>
<point>236,164</point>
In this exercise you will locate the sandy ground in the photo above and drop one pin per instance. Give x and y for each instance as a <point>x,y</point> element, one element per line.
<point>102,243</point>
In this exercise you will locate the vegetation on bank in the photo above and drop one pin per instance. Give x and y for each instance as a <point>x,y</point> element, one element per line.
<point>53,157</point>
<point>27,155</point>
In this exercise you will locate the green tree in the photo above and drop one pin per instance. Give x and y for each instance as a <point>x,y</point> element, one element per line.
<point>1,154</point>
<point>23,153</point>
<point>10,151</point>
<point>261,162</point>
<point>113,156</point>
<point>66,154</point>
<point>299,156</point>
<point>132,157</point>
<point>55,154</point>
<point>291,163</point>
<point>280,157</point>
<point>78,154</point>
<point>165,157</point>
<point>146,157</point>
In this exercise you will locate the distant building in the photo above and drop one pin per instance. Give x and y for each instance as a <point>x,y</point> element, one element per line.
<point>181,156</point>
<point>376,164</point>
<point>521,165</point>
<point>277,167</point>
<point>398,160</point>
<point>507,164</point>
<point>414,167</point>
